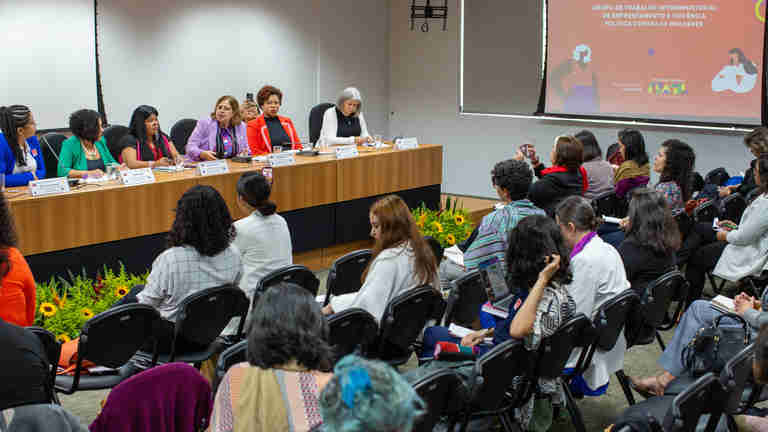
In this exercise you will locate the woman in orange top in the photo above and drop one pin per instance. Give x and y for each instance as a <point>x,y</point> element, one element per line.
<point>270,128</point>
<point>17,290</point>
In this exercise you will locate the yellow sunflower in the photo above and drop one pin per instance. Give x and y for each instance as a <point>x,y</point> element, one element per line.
<point>63,338</point>
<point>450,239</point>
<point>436,225</point>
<point>459,219</point>
<point>86,313</point>
<point>422,219</point>
<point>420,224</point>
<point>48,309</point>
<point>121,291</point>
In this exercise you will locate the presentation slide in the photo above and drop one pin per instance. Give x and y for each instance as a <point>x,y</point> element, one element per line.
<point>668,60</point>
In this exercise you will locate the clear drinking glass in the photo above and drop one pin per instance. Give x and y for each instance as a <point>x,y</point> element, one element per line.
<point>277,148</point>
<point>2,182</point>
<point>179,162</point>
<point>112,171</point>
<point>378,141</point>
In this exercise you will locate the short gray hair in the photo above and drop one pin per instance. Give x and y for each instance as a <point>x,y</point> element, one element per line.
<point>347,94</point>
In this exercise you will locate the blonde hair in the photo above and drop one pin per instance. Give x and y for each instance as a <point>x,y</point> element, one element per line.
<point>236,118</point>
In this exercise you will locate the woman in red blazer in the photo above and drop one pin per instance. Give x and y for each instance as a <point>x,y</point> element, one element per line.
<point>270,128</point>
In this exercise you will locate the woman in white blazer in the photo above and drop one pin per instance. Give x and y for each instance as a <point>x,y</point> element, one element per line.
<point>344,123</point>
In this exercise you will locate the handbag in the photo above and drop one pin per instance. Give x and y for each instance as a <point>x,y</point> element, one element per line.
<point>713,346</point>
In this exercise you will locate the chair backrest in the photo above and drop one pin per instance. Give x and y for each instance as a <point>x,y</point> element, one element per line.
<point>555,350</point>
<point>703,396</point>
<point>352,330</point>
<point>52,349</point>
<point>752,195</point>
<point>611,317</point>
<point>298,274</point>
<point>684,223</point>
<point>608,204</point>
<point>495,371</point>
<point>732,207</point>
<point>134,323</point>
<point>180,133</point>
<point>705,212</point>
<point>734,377</point>
<point>443,391</point>
<point>466,299</point>
<point>346,272</point>
<point>50,145</point>
<point>204,314</point>
<point>114,134</point>
<point>316,120</point>
<point>228,358</point>
<point>406,315</point>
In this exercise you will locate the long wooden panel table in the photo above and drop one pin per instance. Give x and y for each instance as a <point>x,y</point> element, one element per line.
<point>109,212</point>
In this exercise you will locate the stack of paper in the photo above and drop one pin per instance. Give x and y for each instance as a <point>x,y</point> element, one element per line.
<point>455,254</point>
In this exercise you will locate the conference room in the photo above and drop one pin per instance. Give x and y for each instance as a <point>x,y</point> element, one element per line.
<point>309,142</point>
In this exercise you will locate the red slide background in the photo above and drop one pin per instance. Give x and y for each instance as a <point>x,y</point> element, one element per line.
<point>635,57</point>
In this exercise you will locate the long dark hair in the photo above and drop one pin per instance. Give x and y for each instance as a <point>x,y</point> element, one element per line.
<point>651,223</point>
<point>287,324</point>
<point>254,189</point>
<point>749,67</point>
<point>634,146</point>
<point>534,238</point>
<point>592,150</point>
<point>11,118</point>
<point>680,160</point>
<point>761,164</point>
<point>139,131</point>
<point>8,237</point>
<point>202,221</point>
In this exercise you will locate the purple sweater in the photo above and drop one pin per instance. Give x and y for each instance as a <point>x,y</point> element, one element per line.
<point>203,138</point>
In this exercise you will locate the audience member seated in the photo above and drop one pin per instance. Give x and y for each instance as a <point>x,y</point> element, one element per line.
<point>288,357</point>
<point>674,163</point>
<point>401,261</point>
<point>146,146</point>
<point>24,367</point>
<point>249,111</point>
<point>757,143</point>
<point>565,178</point>
<point>199,256</point>
<point>344,123</point>
<point>270,128</point>
<point>219,136</point>
<point>262,237</point>
<point>634,171</point>
<point>538,271</point>
<point>598,276</point>
<point>85,153</point>
<point>17,289</point>
<point>753,423</point>
<point>39,418</point>
<point>652,239</point>
<point>171,397</point>
<point>368,396</point>
<point>734,251</point>
<point>599,171</point>
<point>511,179</point>
<point>20,157</point>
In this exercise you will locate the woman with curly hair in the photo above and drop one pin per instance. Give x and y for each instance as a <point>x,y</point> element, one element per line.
<point>288,355</point>
<point>675,162</point>
<point>85,153</point>
<point>17,289</point>
<point>270,128</point>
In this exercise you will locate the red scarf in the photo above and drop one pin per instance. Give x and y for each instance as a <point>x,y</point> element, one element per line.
<point>559,169</point>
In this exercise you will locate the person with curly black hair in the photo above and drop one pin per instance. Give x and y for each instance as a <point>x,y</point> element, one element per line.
<point>18,294</point>
<point>85,153</point>
<point>288,362</point>
<point>675,162</point>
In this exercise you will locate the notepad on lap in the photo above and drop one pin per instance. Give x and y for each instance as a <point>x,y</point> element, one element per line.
<point>723,304</point>
<point>460,332</point>
<point>455,254</point>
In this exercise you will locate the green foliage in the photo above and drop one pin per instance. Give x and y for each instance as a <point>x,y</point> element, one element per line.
<point>78,298</point>
<point>449,225</point>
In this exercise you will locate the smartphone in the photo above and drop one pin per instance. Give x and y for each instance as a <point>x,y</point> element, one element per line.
<point>249,97</point>
<point>493,279</point>
<point>527,150</point>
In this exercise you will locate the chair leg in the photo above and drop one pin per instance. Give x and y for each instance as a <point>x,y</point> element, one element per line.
<point>573,410</point>
<point>661,342</point>
<point>508,424</point>
<point>624,382</point>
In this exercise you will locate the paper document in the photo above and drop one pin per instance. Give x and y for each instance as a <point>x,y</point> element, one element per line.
<point>460,332</point>
<point>610,219</point>
<point>723,304</point>
<point>455,254</point>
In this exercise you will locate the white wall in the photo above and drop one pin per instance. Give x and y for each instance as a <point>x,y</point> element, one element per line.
<point>424,92</point>
<point>181,55</point>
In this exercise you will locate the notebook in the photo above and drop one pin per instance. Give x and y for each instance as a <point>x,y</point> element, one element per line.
<point>723,304</point>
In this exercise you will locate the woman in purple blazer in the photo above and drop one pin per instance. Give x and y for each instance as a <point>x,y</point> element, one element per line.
<point>221,135</point>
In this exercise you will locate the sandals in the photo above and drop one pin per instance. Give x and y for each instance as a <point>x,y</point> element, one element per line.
<point>646,392</point>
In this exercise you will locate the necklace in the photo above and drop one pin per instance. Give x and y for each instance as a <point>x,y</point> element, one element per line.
<point>92,153</point>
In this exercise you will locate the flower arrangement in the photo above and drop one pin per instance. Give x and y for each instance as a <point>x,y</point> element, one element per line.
<point>65,305</point>
<point>449,225</point>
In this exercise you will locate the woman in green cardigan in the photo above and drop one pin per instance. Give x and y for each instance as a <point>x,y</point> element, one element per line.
<point>85,153</point>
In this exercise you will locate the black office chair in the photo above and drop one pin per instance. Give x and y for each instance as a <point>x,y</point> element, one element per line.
<point>114,134</point>
<point>110,339</point>
<point>180,133</point>
<point>653,313</point>
<point>608,204</point>
<point>231,356</point>
<point>706,212</point>
<point>352,331</point>
<point>316,120</point>
<point>52,349</point>
<point>732,207</point>
<point>345,275</point>
<point>402,323</point>
<point>297,274</point>
<point>50,145</point>
<point>704,396</point>
<point>444,393</point>
<point>466,299</point>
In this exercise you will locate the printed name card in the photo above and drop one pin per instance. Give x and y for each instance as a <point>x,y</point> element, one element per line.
<point>218,166</point>
<point>49,186</point>
<point>281,159</point>
<point>137,176</point>
<point>406,143</point>
<point>347,151</point>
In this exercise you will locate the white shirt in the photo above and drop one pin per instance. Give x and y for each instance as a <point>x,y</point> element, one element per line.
<point>265,245</point>
<point>598,276</point>
<point>31,165</point>
<point>747,250</point>
<point>331,126</point>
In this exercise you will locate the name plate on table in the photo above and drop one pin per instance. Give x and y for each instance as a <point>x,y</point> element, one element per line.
<point>347,151</point>
<point>406,143</point>
<point>281,159</point>
<point>138,176</point>
<point>218,166</point>
<point>49,186</point>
